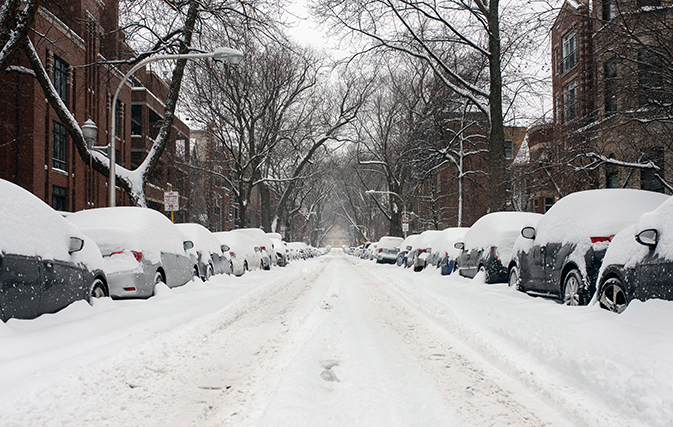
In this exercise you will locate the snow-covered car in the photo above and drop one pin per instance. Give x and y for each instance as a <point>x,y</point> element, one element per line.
<point>245,254</point>
<point>421,249</point>
<point>638,264</point>
<point>488,244</point>
<point>561,256</point>
<point>370,252</point>
<point>280,249</point>
<point>387,249</point>
<point>212,257</point>
<point>298,249</point>
<point>141,248</point>
<point>260,238</point>
<point>405,247</point>
<point>444,252</point>
<point>46,262</point>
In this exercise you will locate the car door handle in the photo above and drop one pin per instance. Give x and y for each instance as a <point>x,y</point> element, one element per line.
<point>49,265</point>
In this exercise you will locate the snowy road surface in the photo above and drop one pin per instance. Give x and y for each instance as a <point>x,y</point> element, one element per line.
<point>338,341</point>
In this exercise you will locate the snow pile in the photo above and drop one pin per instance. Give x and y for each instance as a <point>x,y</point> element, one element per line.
<point>594,213</point>
<point>499,229</point>
<point>625,250</point>
<point>131,228</point>
<point>445,241</point>
<point>204,241</point>
<point>28,226</point>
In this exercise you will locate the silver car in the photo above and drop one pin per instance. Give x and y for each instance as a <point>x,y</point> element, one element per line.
<point>141,248</point>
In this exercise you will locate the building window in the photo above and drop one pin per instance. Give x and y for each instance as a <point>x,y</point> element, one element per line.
<point>569,46</point>
<point>61,78</point>
<point>611,86</point>
<point>570,95</point>
<point>645,3</point>
<point>608,10</point>
<point>59,155</point>
<point>548,203</point>
<point>59,198</point>
<point>648,177</point>
<point>136,120</point>
<point>611,176</point>
<point>508,149</point>
<point>118,118</point>
<point>649,76</point>
<point>557,62</point>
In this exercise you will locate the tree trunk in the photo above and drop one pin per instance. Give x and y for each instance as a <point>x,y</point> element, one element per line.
<point>496,142</point>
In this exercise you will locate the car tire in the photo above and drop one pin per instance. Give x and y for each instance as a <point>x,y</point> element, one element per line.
<point>98,290</point>
<point>572,289</point>
<point>613,295</point>
<point>158,278</point>
<point>231,267</point>
<point>513,277</point>
<point>209,272</point>
<point>245,266</point>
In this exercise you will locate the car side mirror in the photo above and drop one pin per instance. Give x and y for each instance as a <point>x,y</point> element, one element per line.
<point>225,248</point>
<point>408,248</point>
<point>459,245</point>
<point>257,249</point>
<point>648,238</point>
<point>76,245</point>
<point>528,232</point>
<point>187,244</point>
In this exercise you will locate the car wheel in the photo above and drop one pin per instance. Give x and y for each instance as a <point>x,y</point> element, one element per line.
<point>209,272</point>
<point>572,288</point>
<point>513,277</point>
<point>231,267</point>
<point>261,265</point>
<point>98,289</point>
<point>613,295</point>
<point>196,271</point>
<point>245,266</point>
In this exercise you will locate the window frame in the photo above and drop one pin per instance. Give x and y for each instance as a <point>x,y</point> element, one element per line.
<point>59,140</point>
<point>569,52</point>
<point>570,104</point>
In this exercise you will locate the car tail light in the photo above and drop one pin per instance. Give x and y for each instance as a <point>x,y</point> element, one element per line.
<point>421,251</point>
<point>137,255</point>
<point>602,239</point>
<point>263,248</point>
<point>495,252</point>
<point>233,254</point>
<point>279,255</point>
<point>129,289</point>
<point>116,253</point>
<point>380,250</point>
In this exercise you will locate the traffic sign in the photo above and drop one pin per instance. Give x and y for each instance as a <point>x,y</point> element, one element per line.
<point>171,201</point>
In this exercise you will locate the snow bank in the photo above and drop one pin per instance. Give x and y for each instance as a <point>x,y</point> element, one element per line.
<point>28,226</point>
<point>625,250</point>
<point>131,228</point>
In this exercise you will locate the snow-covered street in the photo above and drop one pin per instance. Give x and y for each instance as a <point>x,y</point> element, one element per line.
<point>339,341</point>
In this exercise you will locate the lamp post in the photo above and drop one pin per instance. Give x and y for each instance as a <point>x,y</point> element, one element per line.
<point>232,56</point>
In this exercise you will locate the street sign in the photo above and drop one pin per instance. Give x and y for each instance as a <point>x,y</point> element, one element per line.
<point>171,201</point>
<point>405,218</point>
<point>405,227</point>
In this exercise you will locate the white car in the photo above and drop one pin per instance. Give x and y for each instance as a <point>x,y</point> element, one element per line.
<point>141,248</point>
<point>280,249</point>
<point>405,247</point>
<point>387,249</point>
<point>245,254</point>
<point>260,238</point>
<point>212,256</point>
<point>444,252</point>
<point>421,249</point>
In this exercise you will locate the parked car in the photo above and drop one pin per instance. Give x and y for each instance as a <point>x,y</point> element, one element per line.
<point>405,247</point>
<point>421,249</point>
<point>259,237</point>
<point>245,254</point>
<point>444,252</point>
<point>141,248</point>
<point>488,244</point>
<point>280,248</point>
<point>388,247</point>
<point>638,264</point>
<point>46,262</point>
<point>561,256</point>
<point>212,257</point>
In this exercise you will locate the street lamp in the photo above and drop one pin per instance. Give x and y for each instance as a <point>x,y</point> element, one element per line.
<point>232,56</point>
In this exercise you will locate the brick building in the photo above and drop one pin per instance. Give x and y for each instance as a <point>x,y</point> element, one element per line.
<point>73,40</point>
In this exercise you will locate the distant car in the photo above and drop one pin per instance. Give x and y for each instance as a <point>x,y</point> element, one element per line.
<point>280,248</point>
<point>46,262</point>
<point>387,249</point>
<point>444,252</point>
<point>561,256</point>
<point>260,238</point>
<point>212,256</point>
<point>639,261</point>
<point>141,248</point>
<point>245,254</point>
<point>405,247</point>
<point>421,249</point>
<point>488,244</point>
